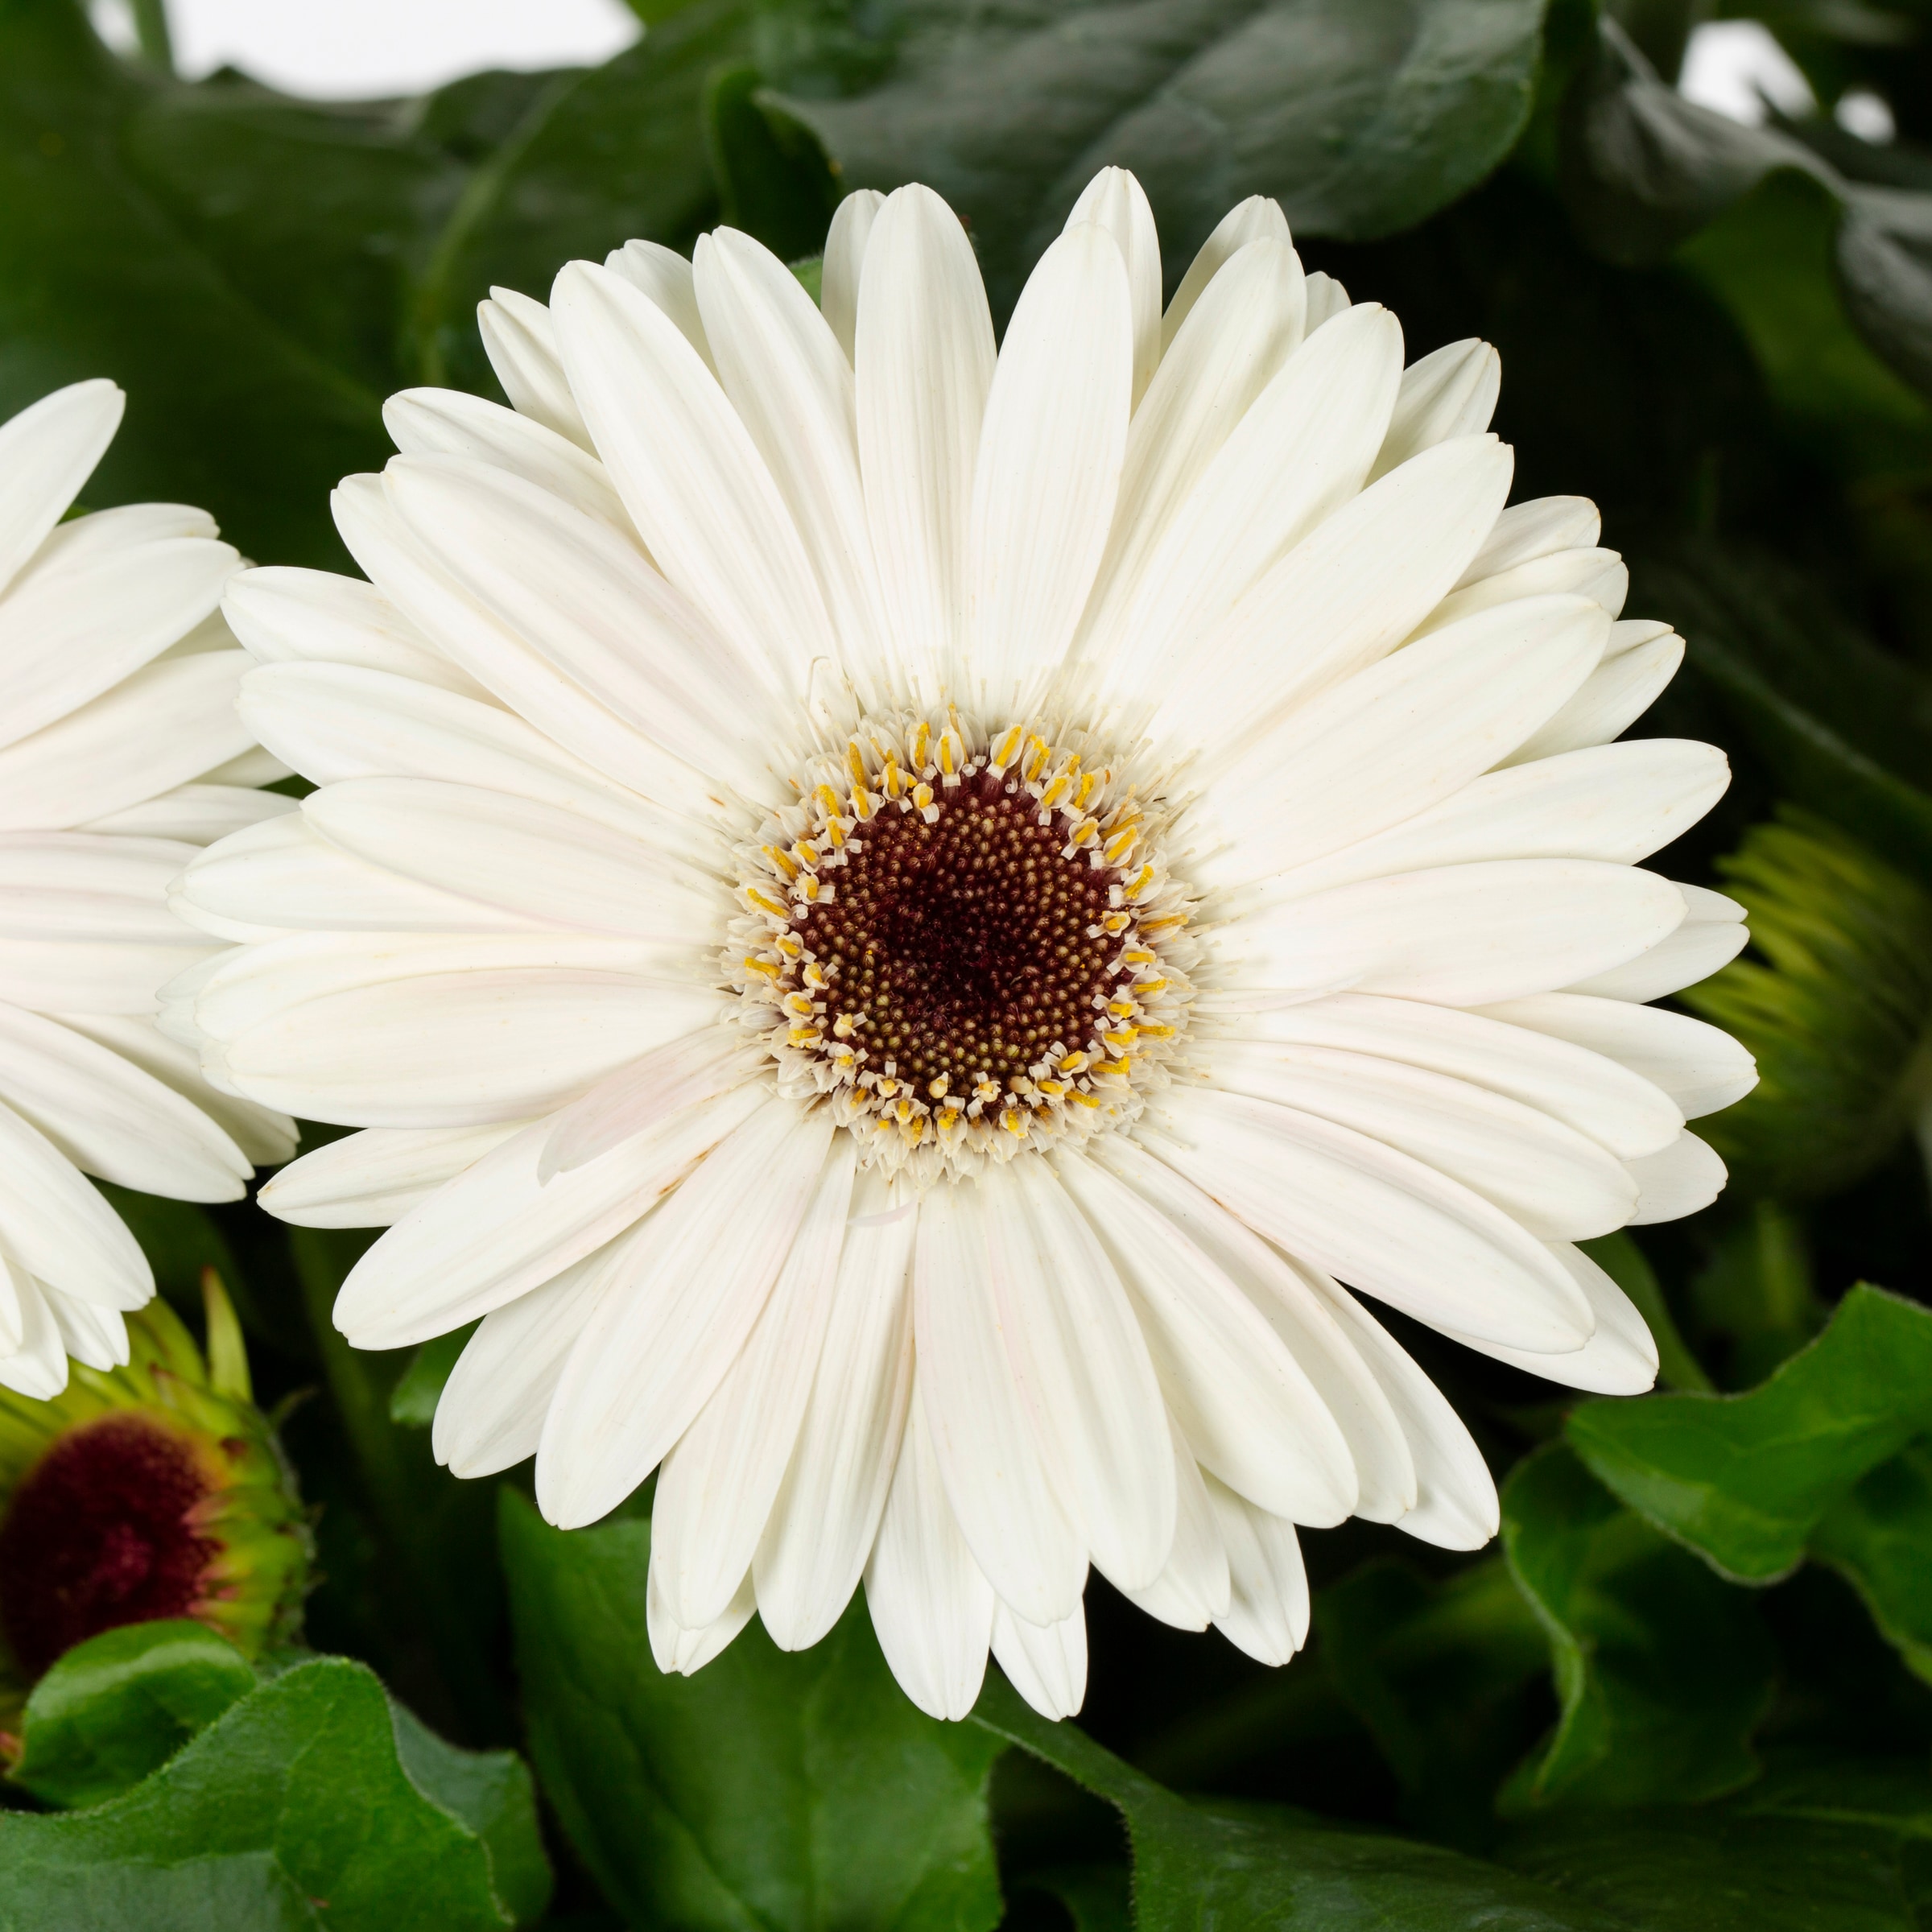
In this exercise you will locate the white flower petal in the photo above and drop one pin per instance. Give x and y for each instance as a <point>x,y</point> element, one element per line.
<point>1114,200</point>
<point>826,1512</point>
<point>1268,1608</point>
<point>1538,528</point>
<point>690,474</point>
<point>36,1365</point>
<point>1345,596</point>
<point>196,814</point>
<point>1700,1068</point>
<point>1688,953</point>
<point>1193,1589</point>
<point>983,1436</point>
<point>1246,325</point>
<point>112,1119</point>
<point>1682,1177</point>
<point>1243,1404</point>
<point>1080,1358</point>
<point>1599,575</point>
<point>1595,1095</point>
<point>716,1490</point>
<point>1618,803</point>
<point>47,452</point>
<point>791,385</point>
<point>1558,1182</point>
<point>1456,1506</point>
<point>1451,392</point>
<point>95,1336</point>
<point>496,1230</point>
<point>1385,1477</point>
<point>372,1178</point>
<point>1046,1665</point>
<point>58,1228</point>
<point>1258,219</point>
<point>664,275</point>
<point>1619,1359</point>
<point>924,364</point>
<point>1326,299</point>
<point>521,341</point>
<point>1611,700</point>
<point>845,257</point>
<point>687,1297</point>
<point>678,1652</point>
<point>447,422</point>
<point>1386,1223</point>
<point>1301,451</point>
<point>1398,737</point>
<point>931,1608</point>
<point>1462,935</point>
<point>490,1414</point>
<point>1049,467</point>
<point>284,616</point>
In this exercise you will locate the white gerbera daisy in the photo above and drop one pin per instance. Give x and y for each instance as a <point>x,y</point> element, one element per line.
<point>897,917</point>
<point>121,753</point>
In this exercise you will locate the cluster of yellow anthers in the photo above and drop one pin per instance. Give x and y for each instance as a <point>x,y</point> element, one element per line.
<point>967,940</point>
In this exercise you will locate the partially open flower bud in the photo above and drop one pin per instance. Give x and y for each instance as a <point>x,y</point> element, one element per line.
<point>156,1490</point>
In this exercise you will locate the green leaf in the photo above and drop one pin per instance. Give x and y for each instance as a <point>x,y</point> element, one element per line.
<point>120,1705</point>
<point>1359,120</point>
<point>772,175</point>
<point>226,410</point>
<point>1838,1846</point>
<point>1879,1536</point>
<point>783,1792</point>
<point>1201,1865</point>
<point>1662,1671</point>
<point>412,1401</point>
<point>1442,1672</point>
<point>291,1808</point>
<point>1744,1479</point>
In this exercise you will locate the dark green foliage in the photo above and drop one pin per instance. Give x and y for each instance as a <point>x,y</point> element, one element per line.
<point>1690,1694</point>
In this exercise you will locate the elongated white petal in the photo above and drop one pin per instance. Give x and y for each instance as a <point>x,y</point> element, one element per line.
<point>1619,1359</point>
<point>58,1228</point>
<point>668,280</point>
<point>372,1178</point>
<point>1599,575</point>
<point>194,814</point>
<point>924,364</point>
<point>47,452</point>
<point>1525,532</point>
<point>689,472</point>
<point>1456,1504</point>
<point>94,1336</point>
<point>1614,697</point>
<point>1383,1221</point>
<point>490,1414</point>
<point>1700,1068</point>
<point>1618,803</point>
<point>284,616</point>
<point>1046,1665</point>
<point>1452,392</point>
<point>1679,1179</point>
<point>36,1365</point>
<point>521,341</point>
<point>791,385</point>
<point>983,1436</point>
<point>1231,348</point>
<point>1691,951</point>
<point>495,1231</point>
<point>827,1512</point>
<point>447,422</point>
<point>1340,600</point>
<point>931,1608</point>
<point>1114,200</point>
<point>676,1650</point>
<point>1281,1293</point>
<point>685,1298</point>
<point>1558,1182</point>
<point>844,258</point>
<point>716,1490</point>
<point>1258,218</point>
<point>1081,1358</point>
<point>111,1118</point>
<point>1049,467</point>
<point>1267,1613</point>
<point>1400,736</point>
<point>1244,1405</point>
<point>1193,1588</point>
<point>644,1095</point>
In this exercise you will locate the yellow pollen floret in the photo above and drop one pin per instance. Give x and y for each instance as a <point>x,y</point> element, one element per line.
<point>768,966</point>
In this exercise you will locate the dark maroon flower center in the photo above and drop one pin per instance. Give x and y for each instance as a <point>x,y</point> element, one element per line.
<point>968,945</point>
<point>100,1533</point>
